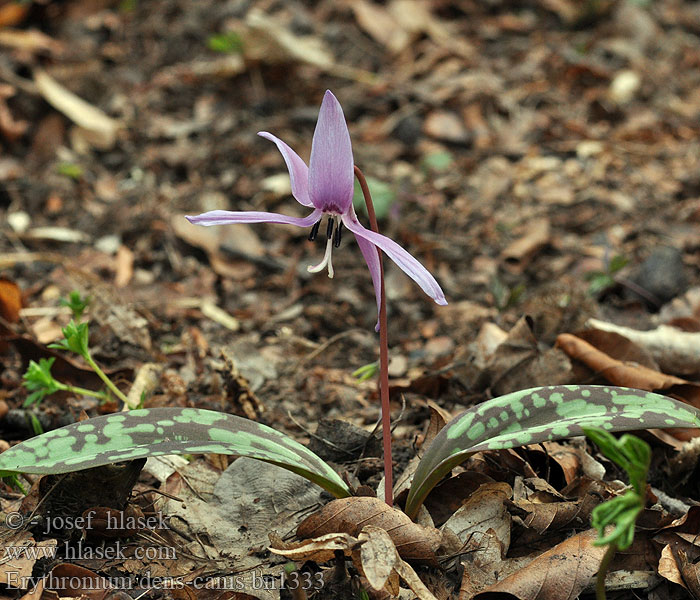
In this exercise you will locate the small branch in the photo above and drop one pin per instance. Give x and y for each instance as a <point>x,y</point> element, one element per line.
<point>383,353</point>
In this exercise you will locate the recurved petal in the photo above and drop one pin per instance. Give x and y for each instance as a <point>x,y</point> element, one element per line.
<point>227,217</point>
<point>331,163</point>
<point>298,171</point>
<point>369,251</point>
<point>403,259</point>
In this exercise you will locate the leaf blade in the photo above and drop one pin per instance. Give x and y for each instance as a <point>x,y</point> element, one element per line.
<point>542,414</point>
<point>158,431</point>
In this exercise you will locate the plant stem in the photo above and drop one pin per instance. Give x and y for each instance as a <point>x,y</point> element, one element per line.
<point>603,571</point>
<point>108,382</point>
<point>74,389</point>
<point>383,353</point>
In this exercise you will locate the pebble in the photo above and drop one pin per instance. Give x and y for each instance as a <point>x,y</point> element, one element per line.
<point>662,274</point>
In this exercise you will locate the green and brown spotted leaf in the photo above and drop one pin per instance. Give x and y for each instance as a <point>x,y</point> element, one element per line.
<point>159,431</point>
<point>542,414</point>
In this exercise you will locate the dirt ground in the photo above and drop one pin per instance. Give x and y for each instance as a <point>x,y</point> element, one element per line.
<point>541,158</point>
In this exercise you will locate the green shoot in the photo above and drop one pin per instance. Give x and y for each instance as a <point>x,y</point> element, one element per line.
<point>76,303</point>
<point>41,383</point>
<point>600,281</point>
<point>226,43</point>
<point>633,455</point>
<point>14,482</point>
<point>76,340</point>
<point>366,372</point>
<point>70,170</point>
<point>36,424</point>
<point>505,297</point>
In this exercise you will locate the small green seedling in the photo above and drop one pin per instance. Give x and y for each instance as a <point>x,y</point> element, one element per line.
<point>505,297</point>
<point>39,380</point>
<point>75,339</point>
<point>600,281</point>
<point>70,170</point>
<point>41,383</point>
<point>633,455</point>
<point>226,43</point>
<point>367,371</point>
<point>76,303</point>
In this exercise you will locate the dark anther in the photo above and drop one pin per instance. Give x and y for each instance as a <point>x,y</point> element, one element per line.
<point>314,231</point>
<point>336,235</point>
<point>329,229</point>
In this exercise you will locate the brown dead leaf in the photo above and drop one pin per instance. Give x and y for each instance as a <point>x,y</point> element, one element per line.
<point>13,13</point>
<point>447,126</point>
<point>618,346</point>
<point>689,571</point>
<point>674,350</point>
<point>634,376</point>
<point>378,557</point>
<point>319,549</point>
<point>556,515</point>
<point>518,363</point>
<point>10,300</point>
<point>483,515</point>
<point>91,586</point>
<point>534,235</point>
<point>615,371</point>
<point>558,574</point>
<point>22,564</point>
<point>350,515</point>
<point>449,495</point>
<point>382,26</point>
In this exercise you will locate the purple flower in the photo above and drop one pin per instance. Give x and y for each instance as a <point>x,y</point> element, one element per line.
<point>326,186</point>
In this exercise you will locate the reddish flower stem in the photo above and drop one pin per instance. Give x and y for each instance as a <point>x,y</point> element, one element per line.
<point>383,353</point>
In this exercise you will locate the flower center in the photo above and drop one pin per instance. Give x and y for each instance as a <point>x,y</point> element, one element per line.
<point>333,235</point>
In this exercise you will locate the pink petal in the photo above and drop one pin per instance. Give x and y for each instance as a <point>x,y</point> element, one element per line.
<point>403,259</point>
<point>298,171</point>
<point>331,164</point>
<point>226,217</point>
<point>369,251</point>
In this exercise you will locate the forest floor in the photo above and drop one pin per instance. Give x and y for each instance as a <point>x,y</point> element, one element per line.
<point>540,157</point>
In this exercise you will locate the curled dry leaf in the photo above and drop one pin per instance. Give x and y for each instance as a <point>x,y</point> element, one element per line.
<point>616,371</point>
<point>319,549</point>
<point>676,351</point>
<point>632,375</point>
<point>350,515</point>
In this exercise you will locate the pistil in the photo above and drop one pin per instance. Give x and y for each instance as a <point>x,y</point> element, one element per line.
<point>326,260</point>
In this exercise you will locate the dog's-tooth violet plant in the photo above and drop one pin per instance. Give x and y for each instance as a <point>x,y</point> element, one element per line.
<point>524,417</point>
<point>326,186</point>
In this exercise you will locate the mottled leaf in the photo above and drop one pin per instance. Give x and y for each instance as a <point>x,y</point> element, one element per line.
<point>538,415</point>
<point>158,431</point>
